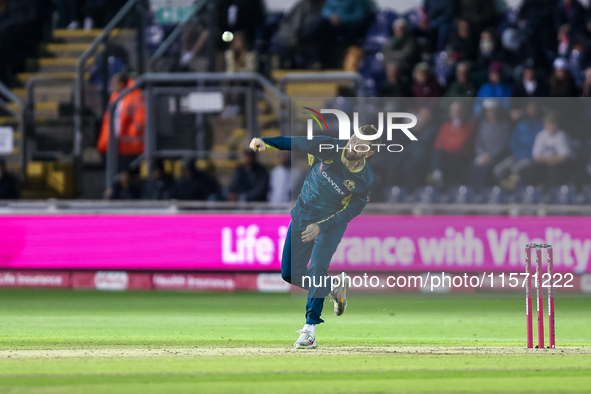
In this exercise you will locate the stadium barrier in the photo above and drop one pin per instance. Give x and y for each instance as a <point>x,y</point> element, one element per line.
<point>253,242</point>
<point>255,282</point>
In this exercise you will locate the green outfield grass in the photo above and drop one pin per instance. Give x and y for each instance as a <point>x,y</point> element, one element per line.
<point>98,342</point>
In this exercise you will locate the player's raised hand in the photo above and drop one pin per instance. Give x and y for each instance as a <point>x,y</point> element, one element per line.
<point>257,145</point>
<point>310,232</point>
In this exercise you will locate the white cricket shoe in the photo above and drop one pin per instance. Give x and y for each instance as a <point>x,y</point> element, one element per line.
<point>339,294</point>
<point>305,341</point>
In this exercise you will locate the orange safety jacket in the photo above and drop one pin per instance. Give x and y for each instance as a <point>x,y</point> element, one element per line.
<point>130,122</point>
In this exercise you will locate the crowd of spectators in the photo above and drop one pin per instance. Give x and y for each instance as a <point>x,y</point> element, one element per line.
<point>477,55</point>
<point>250,182</point>
<point>484,54</point>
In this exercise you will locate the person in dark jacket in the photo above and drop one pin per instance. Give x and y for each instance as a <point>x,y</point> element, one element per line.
<point>562,83</point>
<point>397,84</point>
<point>530,85</point>
<point>463,43</point>
<point>534,18</point>
<point>159,185</point>
<point>491,145</point>
<point>194,184</point>
<point>124,188</point>
<point>463,85</point>
<point>402,47</point>
<point>341,23</point>
<point>8,184</point>
<point>571,12</point>
<point>489,51</point>
<point>440,15</point>
<point>480,14</point>
<point>250,181</point>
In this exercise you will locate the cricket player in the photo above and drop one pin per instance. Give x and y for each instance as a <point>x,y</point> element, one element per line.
<point>336,189</point>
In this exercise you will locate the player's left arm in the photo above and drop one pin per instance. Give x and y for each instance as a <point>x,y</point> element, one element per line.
<point>341,218</point>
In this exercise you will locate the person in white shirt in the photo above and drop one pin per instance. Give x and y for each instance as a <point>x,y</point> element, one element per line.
<point>550,153</point>
<point>283,179</point>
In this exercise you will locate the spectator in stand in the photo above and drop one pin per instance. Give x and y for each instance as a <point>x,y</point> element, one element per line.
<point>418,154</point>
<point>489,51</point>
<point>586,90</point>
<point>535,18</point>
<point>294,25</point>
<point>193,40</point>
<point>529,85</point>
<point>480,14</point>
<point>440,15</point>
<point>194,184</point>
<point>97,13</point>
<point>247,16</point>
<point>491,145</point>
<point>508,172</point>
<point>250,181</point>
<point>397,84</point>
<point>402,47</point>
<point>493,88</point>
<point>341,22</point>
<point>565,43</point>
<point>159,185</point>
<point>129,123</point>
<point>238,57</point>
<point>424,83</point>
<point>8,183</point>
<point>463,44</point>
<point>463,85</point>
<point>283,179</point>
<point>123,188</point>
<point>67,14</point>
<point>453,149</point>
<point>570,12</point>
<point>21,29</point>
<point>551,152</point>
<point>562,83</point>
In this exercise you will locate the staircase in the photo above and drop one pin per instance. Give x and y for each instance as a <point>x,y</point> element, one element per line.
<point>53,113</point>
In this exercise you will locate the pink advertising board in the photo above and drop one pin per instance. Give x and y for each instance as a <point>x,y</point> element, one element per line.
<point>254,242</point>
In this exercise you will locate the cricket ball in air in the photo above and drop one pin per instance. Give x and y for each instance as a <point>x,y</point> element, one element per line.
<point>227,36</point>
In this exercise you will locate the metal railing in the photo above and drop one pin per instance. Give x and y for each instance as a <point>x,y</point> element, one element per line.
<point>30,123</point>
<point>6,96</point>
<point>81,66</point>
<point>150,81</point>
<point>54,206</point>
<point>329,76</point>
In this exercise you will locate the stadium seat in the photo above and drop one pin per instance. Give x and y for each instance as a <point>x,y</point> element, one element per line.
<point>459,195</point>
<point>425,195</point>
<point>584,198</point>
<point>372,70</point>
<point>528,195</point>
<point>395,194</point>
<point>562,195</point>
<point>493,195</point>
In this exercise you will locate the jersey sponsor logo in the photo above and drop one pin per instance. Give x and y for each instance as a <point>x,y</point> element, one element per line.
<point>331,182</point>
<point>328,161</point>
<point>349,184</point>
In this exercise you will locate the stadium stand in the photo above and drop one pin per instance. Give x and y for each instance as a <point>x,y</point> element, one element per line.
<point>438,48</point>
